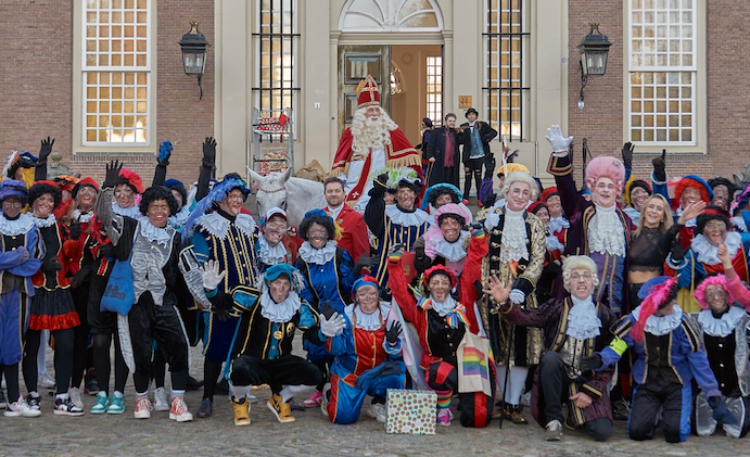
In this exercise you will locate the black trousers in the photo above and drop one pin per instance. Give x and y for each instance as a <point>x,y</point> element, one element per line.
<point>647,400</point>
<point>472,167</point>
<point>148,323</point>
<point>553,386</point>
<point>286,370</point>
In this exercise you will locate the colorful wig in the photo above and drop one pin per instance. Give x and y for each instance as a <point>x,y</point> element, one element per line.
<point>717,280</point>
<point>605,167</point>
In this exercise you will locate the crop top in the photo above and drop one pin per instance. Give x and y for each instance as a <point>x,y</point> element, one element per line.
<point>650,248</point>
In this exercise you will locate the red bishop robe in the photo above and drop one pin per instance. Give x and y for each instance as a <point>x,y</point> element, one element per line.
<point>399,153</point>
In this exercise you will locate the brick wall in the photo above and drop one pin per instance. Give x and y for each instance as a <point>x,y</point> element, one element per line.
<point>601,120</point>
<point>36,96</point>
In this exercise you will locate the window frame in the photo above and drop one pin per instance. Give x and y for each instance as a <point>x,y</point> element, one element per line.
<point>525,97</point>
<point>699,143</point>
<point>79,143</point>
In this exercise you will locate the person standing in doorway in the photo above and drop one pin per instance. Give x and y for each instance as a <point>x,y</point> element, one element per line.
<point>442,153</point>
<point>476,149</point>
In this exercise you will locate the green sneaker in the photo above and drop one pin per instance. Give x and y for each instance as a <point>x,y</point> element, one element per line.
<point>116,405</point>
<point>102,403</point>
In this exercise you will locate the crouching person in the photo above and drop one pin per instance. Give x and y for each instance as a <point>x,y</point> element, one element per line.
<point>668,356</point>
<point>262,346</point>
<point>724,328</point>
<point>367,357</point>
<point>574,328</point>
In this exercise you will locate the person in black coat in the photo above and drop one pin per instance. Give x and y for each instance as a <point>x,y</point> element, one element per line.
<point>442,153</point>
<point>476,133</point>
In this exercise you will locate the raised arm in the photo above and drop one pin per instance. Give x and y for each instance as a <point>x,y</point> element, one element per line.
<point>375,210</point>
<point>162,162</point>
<point>207,168</point>
<point>397,284</point>
<point>561,167</point>
<point>40,170</point>
<point>104,203</point>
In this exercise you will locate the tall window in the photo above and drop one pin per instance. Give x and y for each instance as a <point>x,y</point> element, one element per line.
<point>117,73</point>
<point>663,71</point>
<point>276,41</point>
<point>507,87</point>
<point>435,89</point>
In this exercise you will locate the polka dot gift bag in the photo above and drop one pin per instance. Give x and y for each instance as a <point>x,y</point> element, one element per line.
<point>411,411</point>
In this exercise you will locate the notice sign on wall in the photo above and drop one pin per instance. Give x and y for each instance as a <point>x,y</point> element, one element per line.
<point>464,101</point>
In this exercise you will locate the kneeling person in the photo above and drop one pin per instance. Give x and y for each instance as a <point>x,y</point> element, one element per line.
<point>262,351</point>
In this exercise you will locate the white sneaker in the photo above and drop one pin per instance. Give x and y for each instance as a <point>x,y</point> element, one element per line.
<point>20,408</point>
<point>160,399</point>
<point>45,381</point>
<point>75,396</point>
<point>324,401</point>
<point>377,412</point>
<point>142,408</point>
<point>179,411</point>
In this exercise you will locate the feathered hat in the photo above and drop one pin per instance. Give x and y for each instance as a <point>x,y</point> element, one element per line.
<point>510,168</point>
<point>217,194</point>
<point>66,182</point>
<point>273,273</point>
<point>659,291</point>
<point>26,161</point>
<point>367,93</point>
<point>320,217</point>
<point>404,177</point>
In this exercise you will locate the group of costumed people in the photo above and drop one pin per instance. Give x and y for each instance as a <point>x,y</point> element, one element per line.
<point>612,302</point>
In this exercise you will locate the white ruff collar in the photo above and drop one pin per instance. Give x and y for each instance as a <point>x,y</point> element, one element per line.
<point>154,233</point>
<point>19,226</point>
<point>722,326</point>
<point>399,217</point>
<point>81,217</point>
<point>739,222</point>
<point>445,307</point>
<point>279,312</point>
<point>513,244</point>
<point>553,243</point>
<point>44,222</point>
<point>557,224</point>
<point>583,323</point>
<point>218,225</point>
<point>453,252</point>
<point>369,322</point>
<point>661,325</point>
<point>271,255</point>
<point>133,211</point>
<point>317,256</point>
<point>633,214</point>
<point>178,220</point>
<point>708,253</point>
<point>606,233</point>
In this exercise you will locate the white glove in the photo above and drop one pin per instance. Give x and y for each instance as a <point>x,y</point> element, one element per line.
<point>517,296</point>
<point>211,276</point>
<point>333,326</point>
<point>556,139</point>
<point>493,219</point>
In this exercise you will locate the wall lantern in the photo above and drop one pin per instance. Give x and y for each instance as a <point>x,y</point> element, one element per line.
<point>594,50</point>
<point>193,45</point>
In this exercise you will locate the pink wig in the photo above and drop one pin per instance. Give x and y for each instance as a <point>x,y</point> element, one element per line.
<point>658,297</point>
<point>452,208</point>
<point>718,280</point>
<point>605,167</point>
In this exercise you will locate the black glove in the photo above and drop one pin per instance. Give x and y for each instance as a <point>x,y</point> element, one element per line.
<point>382,180</point>
<point>591,363</point>
<point>326,309</point>
<point>79,278</point>
<point>45,150</point>
<point>678,253</point>
<point>51,265</point>
<point>660,166</point>
<point>392,333</point>
<point>627,154</point>
<point>112,174</point>
<point>364,261</point>
<point>209,152</point>
<point>721,412</point>
<point>75,230</point>
<point>107,250</point>
<point>489,200</point>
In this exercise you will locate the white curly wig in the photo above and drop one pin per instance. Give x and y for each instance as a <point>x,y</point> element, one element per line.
<point>523,177</point>
<point>578,261</point>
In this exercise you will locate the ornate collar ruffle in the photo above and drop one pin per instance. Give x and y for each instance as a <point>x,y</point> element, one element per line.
<point>44,222</point>
<point>271,255</point>
<point>369,322</point>
<point>83,218</point>
<point>133,211</point>
<point>583,322</point>
<point>317,256</point>
<point>19,226</point>
<point>707,253</point>
<point>218,226</point>
<point>154,233</point>
<point>557,224</point>
<point>513,243</point>
<point>606,233</point>
<point>661,325</point>
<point>398,217</point>
<point>178,220</point>
<point>279,312</point>
<point>722,326</point>
<point>453,252</point>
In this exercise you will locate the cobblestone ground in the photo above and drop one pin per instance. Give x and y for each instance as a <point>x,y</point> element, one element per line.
<point>311,434</point>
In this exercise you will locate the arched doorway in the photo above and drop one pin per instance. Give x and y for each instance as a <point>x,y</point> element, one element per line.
<point>400,43</point>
